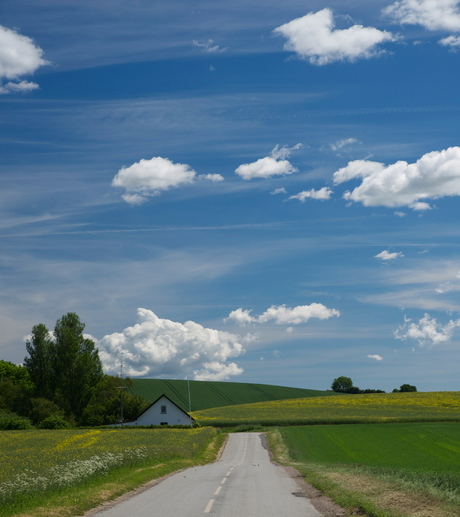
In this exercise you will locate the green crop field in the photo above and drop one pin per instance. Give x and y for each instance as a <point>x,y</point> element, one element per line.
<point>372,408</point>
<point>45,461</point>
<point>208,394</point>
<point>389,469</point>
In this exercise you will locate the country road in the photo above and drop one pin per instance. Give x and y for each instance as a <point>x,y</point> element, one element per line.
<point>243,482</point>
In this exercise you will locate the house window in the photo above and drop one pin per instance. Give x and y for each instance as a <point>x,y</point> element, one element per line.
<point>163,410</point>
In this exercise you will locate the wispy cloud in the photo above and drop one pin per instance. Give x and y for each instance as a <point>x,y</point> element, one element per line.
<point>275,164</point>
<point>209,47</point>
<point>386,255</point>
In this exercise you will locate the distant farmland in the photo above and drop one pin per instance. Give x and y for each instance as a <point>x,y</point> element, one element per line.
<point>208,394</point>
<point>373,408</point>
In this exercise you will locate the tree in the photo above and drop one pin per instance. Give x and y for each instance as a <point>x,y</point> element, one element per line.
<point>65,368</point>
<point>39,362</point>
<point>405,388</point>
<point>76,365</point>
<point>342,384</point>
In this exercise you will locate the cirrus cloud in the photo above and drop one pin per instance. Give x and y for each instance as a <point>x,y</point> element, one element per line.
<point>434,175</point>
<point>19,56</point>
<point>157,346</point>
<point>313,37</point>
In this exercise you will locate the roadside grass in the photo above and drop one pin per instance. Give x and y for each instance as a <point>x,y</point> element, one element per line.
<point>382,470</point>
<point>351,409</point>
<point>34,455</point>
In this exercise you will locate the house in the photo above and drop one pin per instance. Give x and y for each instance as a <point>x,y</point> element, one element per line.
<point>163,412</point>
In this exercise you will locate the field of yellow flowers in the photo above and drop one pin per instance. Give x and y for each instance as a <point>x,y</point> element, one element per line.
<point>370,408</point>
<point>40,460</point>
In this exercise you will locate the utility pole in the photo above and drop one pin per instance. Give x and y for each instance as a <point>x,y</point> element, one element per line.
<point>189,402</point>
<point>121,388</point>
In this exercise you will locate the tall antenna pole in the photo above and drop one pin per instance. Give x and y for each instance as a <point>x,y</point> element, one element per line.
<point>189,402</point>
<point>121,388</point>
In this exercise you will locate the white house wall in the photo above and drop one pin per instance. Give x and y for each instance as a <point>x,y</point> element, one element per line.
<point>154,416</point>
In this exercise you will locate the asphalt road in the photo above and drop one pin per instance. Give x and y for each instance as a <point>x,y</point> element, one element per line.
<point>243,483</point>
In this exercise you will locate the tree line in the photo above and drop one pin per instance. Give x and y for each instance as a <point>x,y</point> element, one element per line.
<point>61,382</point>
<point>345,385</point>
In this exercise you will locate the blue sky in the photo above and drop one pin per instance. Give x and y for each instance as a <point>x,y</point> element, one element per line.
<point>249,191</point>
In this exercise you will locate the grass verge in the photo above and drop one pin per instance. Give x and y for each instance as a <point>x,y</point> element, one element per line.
<point>77,500</point>
<point>367,491</point>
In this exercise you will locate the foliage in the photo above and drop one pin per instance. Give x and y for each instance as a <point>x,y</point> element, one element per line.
<point>65,369</point>
<point>104,406</point>
<point>342,384</point>
<point>54,422</point>
<point>11,421</point>
<point>210,394</point>
<point>405,388</point>
<point>39,461</point>
<point>340,409</point>
<point>16,373</point>
<point>43,408</point>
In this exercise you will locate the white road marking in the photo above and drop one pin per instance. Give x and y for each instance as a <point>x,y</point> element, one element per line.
<point>219,488</point>
<point>223,481</point>
<point>209,506</point>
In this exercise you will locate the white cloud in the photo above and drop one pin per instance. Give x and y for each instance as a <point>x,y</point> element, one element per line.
<point>321,194</point>
<point>427,331</point>
<point>211,177</point>
<point>386,255</point>
<point>19,56</point>
<point>313,38</point>
<point>148,178</point>
<point>451,41</point>
<point>208,47</point>
<point>273,165</point>
<point>282,315</point>
<point>241,317</point>
<point>376,357</point>
<point>400,214</point>
<point>278,191</point>
<point>434,175</point>
<point>340,144</point>
<point>156,346</point>
<point>431,14</point>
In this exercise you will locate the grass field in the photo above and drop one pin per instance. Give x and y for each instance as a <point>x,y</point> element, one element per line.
<point>48,461</point>
<point>208,394</point>
<point>407,469</point>
<point>372,408</point>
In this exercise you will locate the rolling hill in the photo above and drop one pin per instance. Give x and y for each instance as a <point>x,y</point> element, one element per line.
<point>210,394</point>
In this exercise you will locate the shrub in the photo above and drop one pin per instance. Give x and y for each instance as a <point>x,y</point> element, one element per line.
<point>54,422</point>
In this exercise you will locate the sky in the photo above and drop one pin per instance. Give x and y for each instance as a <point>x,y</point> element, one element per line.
<point>253,191</point>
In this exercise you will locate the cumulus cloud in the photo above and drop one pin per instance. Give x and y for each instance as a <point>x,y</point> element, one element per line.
<point>321,194</point>
<point>240,317</point>
<point>148,178</point>
<point>208,47</point>
<point>451,41</point>
<point>376,357</point>
<point>386,255</point>
<point>274,165</point>
<point>434,175</point>
<point>211,177</point>
<point>282,315</point>
<point>431,14</point>
<point>156,346</point>
<point>19,56</point>
<point>427,331</point>
<point>313,37</point>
